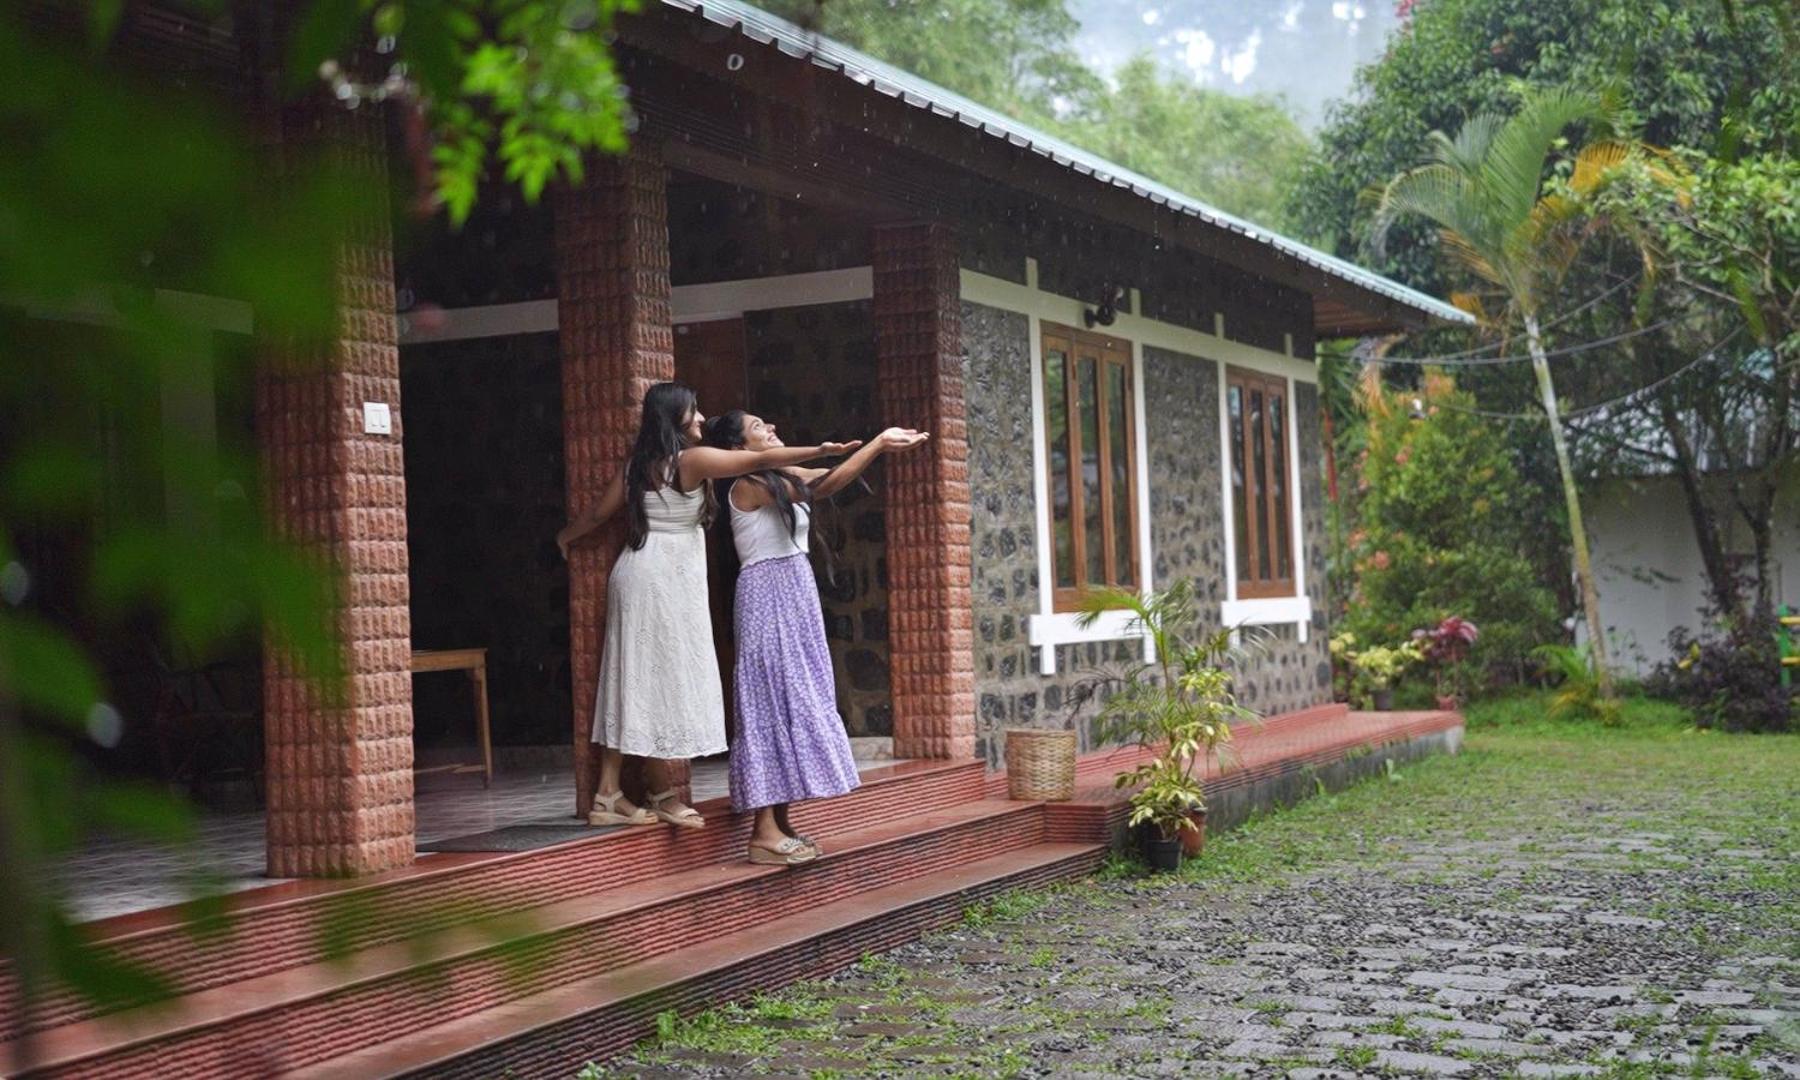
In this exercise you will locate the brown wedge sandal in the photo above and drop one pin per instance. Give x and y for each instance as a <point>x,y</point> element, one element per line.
<point>789,852</point>
<point>687,817</point>
<point>606,812</point>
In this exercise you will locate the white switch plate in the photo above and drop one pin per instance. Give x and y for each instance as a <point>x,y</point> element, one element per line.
<point>376,418</point>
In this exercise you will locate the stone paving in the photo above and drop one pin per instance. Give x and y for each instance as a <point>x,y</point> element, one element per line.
<point>1595,953</point>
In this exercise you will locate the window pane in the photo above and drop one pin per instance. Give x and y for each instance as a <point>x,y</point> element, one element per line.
<point>1240,510</point>
<point>1259,492</point>
<point>1089,404</point>
<point>1278,479</point>
<point>1117,401</point>
<point>1056,412</point>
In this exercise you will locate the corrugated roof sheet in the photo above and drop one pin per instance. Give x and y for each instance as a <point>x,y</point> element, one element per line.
<point>764,28</point>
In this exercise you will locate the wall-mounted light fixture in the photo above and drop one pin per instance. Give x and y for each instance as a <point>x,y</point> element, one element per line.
<point>1108,308</point>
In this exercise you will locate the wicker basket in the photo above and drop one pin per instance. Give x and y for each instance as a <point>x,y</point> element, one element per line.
<point>1040,765</point>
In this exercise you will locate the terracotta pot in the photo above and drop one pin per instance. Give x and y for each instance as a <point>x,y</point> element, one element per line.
<point>1194,840</point>
<point>1448,703</point>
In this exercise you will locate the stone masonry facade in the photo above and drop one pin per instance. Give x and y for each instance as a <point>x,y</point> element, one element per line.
<point>1186,531</point>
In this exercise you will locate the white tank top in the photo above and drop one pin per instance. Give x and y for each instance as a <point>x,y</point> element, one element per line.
<point>762,534</point>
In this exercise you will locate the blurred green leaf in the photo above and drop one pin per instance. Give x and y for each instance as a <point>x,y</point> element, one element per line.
<point>53,478</point>
<point>327,29</point>
<point>141,811</point>
<point>43,669</point>
<point>97,972</point>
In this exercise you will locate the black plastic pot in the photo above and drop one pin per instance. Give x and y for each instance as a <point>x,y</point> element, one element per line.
<point>1164,854</point>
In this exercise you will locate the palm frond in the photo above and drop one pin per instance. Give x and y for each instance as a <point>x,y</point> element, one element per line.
<point>1513,169</point>
<point>1440,194</point>
<point>1597,163</point>
<point>1469,147</point>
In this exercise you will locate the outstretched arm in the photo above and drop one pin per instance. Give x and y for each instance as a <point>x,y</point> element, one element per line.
<point>703,463</point>
<point>612,500</point>
<point>827,483</point>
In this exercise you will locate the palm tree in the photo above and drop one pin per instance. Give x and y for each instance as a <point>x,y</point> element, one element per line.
<point>1485,190</point>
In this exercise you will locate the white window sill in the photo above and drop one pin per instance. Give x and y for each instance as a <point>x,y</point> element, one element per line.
<point>1047,631</point>
<point>1269,611</point>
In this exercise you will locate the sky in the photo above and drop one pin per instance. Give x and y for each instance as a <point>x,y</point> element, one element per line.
<point>1303,50</point>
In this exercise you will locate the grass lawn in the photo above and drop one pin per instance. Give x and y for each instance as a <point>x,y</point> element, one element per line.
<point>1725,807</point>
<point>1521,773</point>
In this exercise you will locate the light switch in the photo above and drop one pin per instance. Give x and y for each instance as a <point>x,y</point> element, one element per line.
<point>376,418</point>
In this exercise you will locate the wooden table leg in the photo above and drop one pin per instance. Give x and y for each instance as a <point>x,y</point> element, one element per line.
<point>478,675</point>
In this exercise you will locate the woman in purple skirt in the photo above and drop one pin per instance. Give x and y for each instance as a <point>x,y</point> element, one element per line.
<point>790,740</point>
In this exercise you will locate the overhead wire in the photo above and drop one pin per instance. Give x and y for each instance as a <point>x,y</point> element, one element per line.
<point>1551,354</point>
<point>1479,349</point>
<point>1708,354</point>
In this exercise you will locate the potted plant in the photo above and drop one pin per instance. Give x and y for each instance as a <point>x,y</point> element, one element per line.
<point>1446,648</point>
<point>1377,668</point>
<point>1178,706</point>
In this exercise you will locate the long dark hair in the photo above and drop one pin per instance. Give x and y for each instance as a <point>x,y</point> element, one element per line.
<point>726,431</point>
<point>656,456</point>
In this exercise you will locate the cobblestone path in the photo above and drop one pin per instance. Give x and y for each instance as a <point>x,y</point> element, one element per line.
<point>1597,932</point>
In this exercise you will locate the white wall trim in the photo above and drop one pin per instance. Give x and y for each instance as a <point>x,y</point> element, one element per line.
<point>1296,523</point>
<point>687,304</point>
<point>1265,611</point>
<point>424,325</point>
<point>1225,505</point>
<point>1269,611</point>
<point>724,299</point>
<point>1048,628</point>
<point>978,288</point>
<point>197,309</point>
<point>1146,568</point>
<point>1041,623</point>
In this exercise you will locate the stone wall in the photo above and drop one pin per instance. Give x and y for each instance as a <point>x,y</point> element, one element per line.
<point>1186,532</point>
<point>1288,675</point>
<point>1187,524</point>
<point>1009,691</point>
<point>812,372</point>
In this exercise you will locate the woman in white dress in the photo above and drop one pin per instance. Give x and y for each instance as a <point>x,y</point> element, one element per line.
<point>659,682</point>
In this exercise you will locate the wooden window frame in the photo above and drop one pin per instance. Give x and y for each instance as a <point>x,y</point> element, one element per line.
<point>1107,351</point>
<point>1263,584</point>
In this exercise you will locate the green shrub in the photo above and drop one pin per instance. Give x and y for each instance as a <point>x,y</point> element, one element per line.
<point>1729,680</point>
<point>1441,523</point>
<point>1577,695</point>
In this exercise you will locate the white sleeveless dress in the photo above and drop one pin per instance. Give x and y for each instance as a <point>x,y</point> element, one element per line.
<point>659,676</point>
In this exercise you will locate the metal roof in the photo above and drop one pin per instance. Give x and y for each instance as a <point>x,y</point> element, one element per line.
<point>766,29</point>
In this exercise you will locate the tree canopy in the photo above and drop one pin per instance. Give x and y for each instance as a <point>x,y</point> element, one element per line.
<point>1018,56</point>
<point>1678,69</point>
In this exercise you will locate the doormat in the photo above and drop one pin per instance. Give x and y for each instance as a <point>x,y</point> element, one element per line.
<point>528,837</point>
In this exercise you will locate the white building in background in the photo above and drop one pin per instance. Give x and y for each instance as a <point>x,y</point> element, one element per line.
<point>1647,565</point>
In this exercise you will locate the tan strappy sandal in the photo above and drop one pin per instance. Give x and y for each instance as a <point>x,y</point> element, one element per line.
<point>606,812</point>
<point>789,852</point>
<point>687,817</point>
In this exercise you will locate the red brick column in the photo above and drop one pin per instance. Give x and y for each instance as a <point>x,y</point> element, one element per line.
<point>339,758</point>
<point>612,270</point>
<point>918,348</point>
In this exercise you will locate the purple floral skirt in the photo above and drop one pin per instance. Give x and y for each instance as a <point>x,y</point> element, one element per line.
<point>790,741</point>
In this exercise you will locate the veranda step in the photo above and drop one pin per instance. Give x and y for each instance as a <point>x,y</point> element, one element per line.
<point>288,925</point>
<point>290,1018</point>
<point>555,1032</point>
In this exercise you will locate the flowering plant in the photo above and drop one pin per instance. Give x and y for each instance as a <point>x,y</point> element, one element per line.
<point>1446,647</point>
